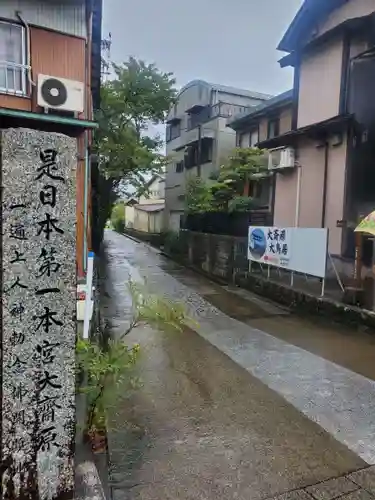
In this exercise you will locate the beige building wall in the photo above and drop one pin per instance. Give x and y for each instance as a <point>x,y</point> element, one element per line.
<point>156,222</point>
<point>140,220</point>
<point>320,81</point>
<point>129,216</point>
<point>285,116</point>
<point>148,222</point>
<point>311,161</point>
<point>286,120</point>
<point>319,97</point>
<point>285,199</point>
<point>263,128</point>
<point>335,194</point>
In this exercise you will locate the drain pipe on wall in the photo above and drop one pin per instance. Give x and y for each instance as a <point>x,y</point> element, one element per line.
<point>298,195</point>
<point>28,44</point>
<point>325,182</point>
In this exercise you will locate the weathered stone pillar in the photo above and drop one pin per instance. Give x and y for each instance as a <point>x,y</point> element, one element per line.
<point>38,313</point>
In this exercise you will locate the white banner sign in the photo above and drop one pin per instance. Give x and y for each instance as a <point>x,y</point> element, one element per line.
<point>303,250</point>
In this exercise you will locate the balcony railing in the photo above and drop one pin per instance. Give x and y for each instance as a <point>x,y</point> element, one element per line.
<point>222,109</point>
<point>13,78</point>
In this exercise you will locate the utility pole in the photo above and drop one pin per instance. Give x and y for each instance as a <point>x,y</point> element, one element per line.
<point>199,162</point>
<point>106,57</point>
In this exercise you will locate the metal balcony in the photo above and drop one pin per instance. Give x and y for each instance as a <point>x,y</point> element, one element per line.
<point>221,109</point>
<point>13,78</point>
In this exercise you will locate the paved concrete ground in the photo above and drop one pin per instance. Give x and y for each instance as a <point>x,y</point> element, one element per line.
<point>203,427</point>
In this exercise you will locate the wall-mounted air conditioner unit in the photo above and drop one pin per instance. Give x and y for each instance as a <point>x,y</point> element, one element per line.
<point>60,94</point>
<point>281,158</point>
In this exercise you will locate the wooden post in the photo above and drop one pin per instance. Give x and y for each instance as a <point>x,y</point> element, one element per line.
<point>357,277</point>
<point>246,189</point>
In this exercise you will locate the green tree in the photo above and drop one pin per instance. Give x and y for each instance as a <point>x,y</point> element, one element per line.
<point>198,197</point>
<point>118,217</point>
<point>138,95</point>
<point>243,165</point>
<point>230,191</point>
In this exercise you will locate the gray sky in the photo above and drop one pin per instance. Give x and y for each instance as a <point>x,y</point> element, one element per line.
<point>231,42</point>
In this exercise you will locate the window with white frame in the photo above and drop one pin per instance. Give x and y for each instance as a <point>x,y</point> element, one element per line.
<point>12,58</point>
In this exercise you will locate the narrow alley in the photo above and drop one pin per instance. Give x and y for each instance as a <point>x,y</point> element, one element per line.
<point>254,404</point>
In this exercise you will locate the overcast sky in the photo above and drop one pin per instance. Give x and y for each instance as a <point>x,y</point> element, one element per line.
<point>231,42</point>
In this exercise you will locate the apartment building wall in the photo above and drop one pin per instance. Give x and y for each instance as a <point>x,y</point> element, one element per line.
<point>222,139</point>
<point>59,46</point>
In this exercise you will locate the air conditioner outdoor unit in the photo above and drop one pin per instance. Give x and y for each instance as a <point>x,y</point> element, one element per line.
<point>281,158</point>
<point>60,94</point>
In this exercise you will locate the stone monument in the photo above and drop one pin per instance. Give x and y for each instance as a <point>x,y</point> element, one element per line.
<point>38,314</point>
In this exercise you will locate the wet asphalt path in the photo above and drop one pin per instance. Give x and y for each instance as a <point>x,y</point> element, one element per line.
<point>230,412</point>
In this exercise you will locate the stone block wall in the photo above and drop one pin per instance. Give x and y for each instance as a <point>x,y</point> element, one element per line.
<point>225,258</point>
<point>222,254</point>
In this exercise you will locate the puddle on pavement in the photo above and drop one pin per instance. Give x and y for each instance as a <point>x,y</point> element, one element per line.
<point>348,347</point>
<point>201,427</point>
<point>236,307</point>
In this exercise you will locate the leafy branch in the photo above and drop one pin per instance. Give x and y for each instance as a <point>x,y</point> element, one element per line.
<point>230,189</point>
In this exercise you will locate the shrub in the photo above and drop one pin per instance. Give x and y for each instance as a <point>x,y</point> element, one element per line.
<point>242,204</point>
<point>118,217</point>
<point>175,242</point>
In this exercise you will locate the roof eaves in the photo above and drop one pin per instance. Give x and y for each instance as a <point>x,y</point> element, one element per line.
<point>263,108</point>
<point>333,124</point>
<point>309,14</point>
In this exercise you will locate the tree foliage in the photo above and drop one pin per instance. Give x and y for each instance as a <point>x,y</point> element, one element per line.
<point>241,204</point>
<point>228,192</point>
<point>138,95</point>
<point>118,217</point>
<point>198,196</point>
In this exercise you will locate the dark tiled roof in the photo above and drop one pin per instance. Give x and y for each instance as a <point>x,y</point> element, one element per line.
<point>278,100</point>
<point>155,207</point>
<point>308,16</point>
<point>315,130</point>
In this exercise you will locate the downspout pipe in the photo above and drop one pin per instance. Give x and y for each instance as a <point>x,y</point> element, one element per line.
<point>28,52</point>
<point>85,204</point>
<point>298,195</point>
<point>86,142</point>
<point>325,182</point>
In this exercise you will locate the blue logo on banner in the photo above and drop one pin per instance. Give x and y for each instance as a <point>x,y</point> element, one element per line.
<point>257,243</point>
